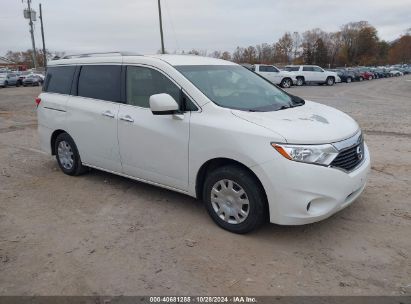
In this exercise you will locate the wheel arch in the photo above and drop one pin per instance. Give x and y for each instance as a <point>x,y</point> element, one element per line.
<point>53,140</point>
<point>214,163</point>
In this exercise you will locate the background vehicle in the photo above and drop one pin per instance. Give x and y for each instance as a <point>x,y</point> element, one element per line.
<point>32,80</point>
<point>313,74</point>
<point>346,75</point>
<point>9,79</point>
<point>366,74</point>
<point>283,78</point>
<point>395,72</point>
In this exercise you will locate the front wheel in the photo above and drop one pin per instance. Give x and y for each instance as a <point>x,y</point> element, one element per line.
<point>67,155</point>
<point>330,81</point>
<point>234,199</point>
<point>286,83</point>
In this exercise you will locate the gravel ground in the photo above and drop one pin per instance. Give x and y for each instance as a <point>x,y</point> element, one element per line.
<point>104,234</point>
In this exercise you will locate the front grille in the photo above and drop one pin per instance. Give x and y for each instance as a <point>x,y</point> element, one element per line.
<point>350,158</point>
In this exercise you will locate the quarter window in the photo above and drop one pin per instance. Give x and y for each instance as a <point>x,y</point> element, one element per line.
<point>143,82</point>
<point>59,79</point>
<point>100,82</point>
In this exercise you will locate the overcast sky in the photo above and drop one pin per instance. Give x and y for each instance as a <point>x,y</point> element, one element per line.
<point>132,25</point>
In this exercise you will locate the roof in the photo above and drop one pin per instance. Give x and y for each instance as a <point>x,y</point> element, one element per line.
<point>174,60</point>
<point>5,61</point>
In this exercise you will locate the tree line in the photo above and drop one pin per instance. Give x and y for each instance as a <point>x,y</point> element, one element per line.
<point>356,43</point>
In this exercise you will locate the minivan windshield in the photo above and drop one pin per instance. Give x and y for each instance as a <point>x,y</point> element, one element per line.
<point>236,87</point>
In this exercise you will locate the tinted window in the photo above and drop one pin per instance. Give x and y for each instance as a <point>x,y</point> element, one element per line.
<point>308,69</point>
<point>143,82</point>
<point>267,68</point>
<point>58,79</point>
<point>317,69</point>
<point>100,82</point>
<point>292,69</point>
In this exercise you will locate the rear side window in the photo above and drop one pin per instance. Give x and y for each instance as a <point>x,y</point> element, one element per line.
<point>267,68</point>
<point>143,82</point>
<point>308,69</point>
<point>59,79</point>
<point>292,69</point>
<point>100,82</point>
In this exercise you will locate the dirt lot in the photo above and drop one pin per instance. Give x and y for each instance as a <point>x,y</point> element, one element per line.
<point>103,234</point>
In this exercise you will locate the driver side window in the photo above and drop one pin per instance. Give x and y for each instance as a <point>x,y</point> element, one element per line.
<point>142,82</point>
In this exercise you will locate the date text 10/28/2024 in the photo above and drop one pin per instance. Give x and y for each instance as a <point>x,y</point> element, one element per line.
<point>205,299</point>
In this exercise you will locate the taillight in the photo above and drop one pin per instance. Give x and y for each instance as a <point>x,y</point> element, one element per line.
<point>37,100</point>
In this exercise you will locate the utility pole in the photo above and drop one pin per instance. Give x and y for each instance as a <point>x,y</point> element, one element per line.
<point>32,34</point>
<point>42,37</point>
<point>161,28</point>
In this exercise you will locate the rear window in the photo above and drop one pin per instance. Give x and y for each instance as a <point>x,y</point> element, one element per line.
<point>58,79</point>
<point>100,82</point>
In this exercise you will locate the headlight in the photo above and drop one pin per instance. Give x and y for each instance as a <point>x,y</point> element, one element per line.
<point>316,154</point>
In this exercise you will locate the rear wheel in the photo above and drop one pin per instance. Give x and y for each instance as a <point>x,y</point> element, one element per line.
<point>67,155</point>
<point>234,199</point>
<point>369,77</point>
<point>286,83</point>
<point>361,78</point>
<point>300,81</point>
<point>349,80</point>
<point>5,84</point>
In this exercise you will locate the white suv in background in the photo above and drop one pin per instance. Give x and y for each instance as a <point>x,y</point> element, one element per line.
<point>306,74</point>
<point>275,75</point>
<point>207,128</point>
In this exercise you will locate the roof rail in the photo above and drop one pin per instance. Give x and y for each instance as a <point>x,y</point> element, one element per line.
<point>100,53</point>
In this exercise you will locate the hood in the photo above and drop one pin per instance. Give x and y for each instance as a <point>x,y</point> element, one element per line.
<point>312,123</point>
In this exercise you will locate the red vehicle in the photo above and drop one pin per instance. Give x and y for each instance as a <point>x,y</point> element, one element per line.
<point>366,74</point>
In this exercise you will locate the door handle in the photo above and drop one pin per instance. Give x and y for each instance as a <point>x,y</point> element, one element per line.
<point>108,114</point>
<point>127,118</point>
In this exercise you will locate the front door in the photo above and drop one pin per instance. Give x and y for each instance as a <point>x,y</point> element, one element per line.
<point>152,147</point>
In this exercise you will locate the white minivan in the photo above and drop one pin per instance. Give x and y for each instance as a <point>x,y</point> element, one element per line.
<point>205,127</point>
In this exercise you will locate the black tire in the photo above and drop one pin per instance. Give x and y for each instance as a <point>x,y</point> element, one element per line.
<point>361,78</point>
<point>300,81</point>
<point>257,212</point>
<point>5,84</point>
<point>286,83</point>
<point>77,167</point>
<point>17,84</point>
<point>349,80</point>
<point>330,81</point>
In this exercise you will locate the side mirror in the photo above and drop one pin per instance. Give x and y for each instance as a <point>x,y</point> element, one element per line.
<point>163,104</point>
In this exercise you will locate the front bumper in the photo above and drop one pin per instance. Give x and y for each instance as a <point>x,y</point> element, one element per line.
<point>300,193</point>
